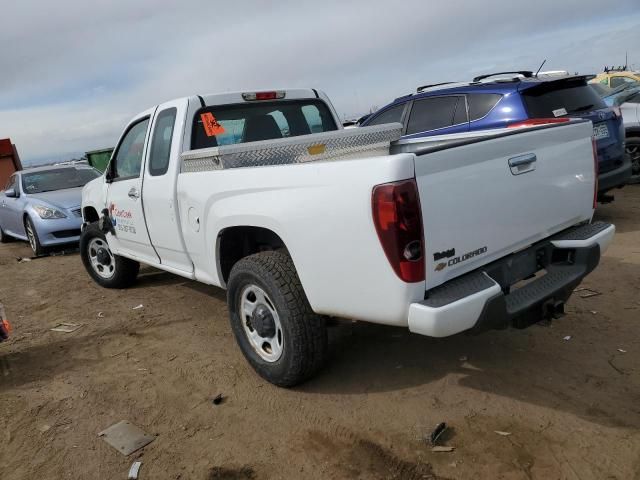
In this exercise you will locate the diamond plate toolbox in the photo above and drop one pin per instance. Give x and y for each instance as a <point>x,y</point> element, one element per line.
<point>336,145</point>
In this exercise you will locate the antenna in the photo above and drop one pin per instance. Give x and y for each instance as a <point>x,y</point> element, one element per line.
<point>543,62</point>
<point>626,60</point>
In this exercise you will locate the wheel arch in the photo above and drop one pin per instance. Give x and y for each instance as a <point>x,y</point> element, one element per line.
<point>237,242</point>
<point>90,214</point>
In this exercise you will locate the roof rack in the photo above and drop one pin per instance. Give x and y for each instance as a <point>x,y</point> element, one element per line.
<point>424,87</point>
<point>524,73</point>
<point>615,69</point>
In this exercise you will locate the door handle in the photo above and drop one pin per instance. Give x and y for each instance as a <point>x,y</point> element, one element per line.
<point>522,160</point>
<point>133,193</point>
<point>522,163</point>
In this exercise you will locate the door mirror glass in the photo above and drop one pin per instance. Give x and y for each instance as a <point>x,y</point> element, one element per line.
<point>11,193</point>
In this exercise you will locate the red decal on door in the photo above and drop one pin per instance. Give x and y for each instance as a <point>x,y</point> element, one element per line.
<point>211,125</point>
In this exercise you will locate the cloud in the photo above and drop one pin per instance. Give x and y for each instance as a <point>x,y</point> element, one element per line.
<point>78,70</point>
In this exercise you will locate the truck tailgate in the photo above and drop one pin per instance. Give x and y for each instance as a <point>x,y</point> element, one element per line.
<point>492,197</point>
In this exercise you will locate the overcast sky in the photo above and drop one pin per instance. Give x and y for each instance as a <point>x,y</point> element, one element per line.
<point>72,73</point>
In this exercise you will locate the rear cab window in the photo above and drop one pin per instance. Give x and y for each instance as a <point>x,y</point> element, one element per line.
<point>220,125</point>
<point>161,142</point>
<point>556,99</point>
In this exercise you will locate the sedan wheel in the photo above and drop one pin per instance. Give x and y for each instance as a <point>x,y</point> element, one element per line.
<point>32,235</point>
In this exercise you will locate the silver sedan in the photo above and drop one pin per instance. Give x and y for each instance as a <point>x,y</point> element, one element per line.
<point>42,205</point>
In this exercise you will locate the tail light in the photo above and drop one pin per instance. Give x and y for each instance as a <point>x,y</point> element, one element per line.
<point>398,221</point>
<point>617,111</point>
<point>534,122</point>
<point>596,170</point>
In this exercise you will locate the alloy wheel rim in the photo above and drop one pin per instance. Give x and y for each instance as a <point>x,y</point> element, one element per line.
<point>31,237</point>
<point>101,258</point>
<point>256,305</point>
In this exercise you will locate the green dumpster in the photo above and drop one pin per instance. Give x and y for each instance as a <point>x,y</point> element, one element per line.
<point>99,159</point>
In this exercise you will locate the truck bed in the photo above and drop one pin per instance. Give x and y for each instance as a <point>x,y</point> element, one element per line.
<point>476,208</point>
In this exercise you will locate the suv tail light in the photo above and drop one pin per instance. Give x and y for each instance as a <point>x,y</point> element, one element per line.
<point>533,122</point>
<point>398,220</point>
<point>596,170</point>
<point>617,111</point>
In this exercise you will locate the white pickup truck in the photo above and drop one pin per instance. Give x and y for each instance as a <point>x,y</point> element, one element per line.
<point>264,194</point>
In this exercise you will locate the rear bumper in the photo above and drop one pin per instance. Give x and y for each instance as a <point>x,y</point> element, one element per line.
<point>615,178</point>
<point>484,299</point>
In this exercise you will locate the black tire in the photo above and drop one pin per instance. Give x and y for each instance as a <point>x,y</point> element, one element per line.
<point>32,236</point>
<point>632,148</point>
<point>119,273</point>
<point>304,333</point>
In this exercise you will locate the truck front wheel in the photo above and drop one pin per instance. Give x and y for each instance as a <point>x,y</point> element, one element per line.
<point>278,333</point>
<point>106,269</point>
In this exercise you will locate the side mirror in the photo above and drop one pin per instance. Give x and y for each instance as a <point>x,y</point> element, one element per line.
<point>11,193</point>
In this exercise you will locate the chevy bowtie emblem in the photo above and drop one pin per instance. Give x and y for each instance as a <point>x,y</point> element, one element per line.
<point>440,266</point>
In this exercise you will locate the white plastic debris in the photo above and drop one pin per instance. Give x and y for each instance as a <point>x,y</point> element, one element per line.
<point>66,327</point>
<point>100,315</point>
<point>443,449</point>
<point>567,338</point>
<point>133,471</point>
<point>138,307</point>
<point>504,434</point>
<point>622,351</point>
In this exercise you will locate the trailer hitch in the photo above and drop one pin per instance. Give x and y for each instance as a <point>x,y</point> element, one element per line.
<point>552,309</point>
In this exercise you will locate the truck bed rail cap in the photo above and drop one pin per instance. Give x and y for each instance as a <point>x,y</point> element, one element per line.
<point>335,145</point>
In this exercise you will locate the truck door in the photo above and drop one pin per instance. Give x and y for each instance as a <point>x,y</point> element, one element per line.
<point>159,193</point>
<point>124,197</point>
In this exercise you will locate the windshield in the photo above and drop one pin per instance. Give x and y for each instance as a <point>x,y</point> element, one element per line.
<point>251,122</point>
<point>57,179</point>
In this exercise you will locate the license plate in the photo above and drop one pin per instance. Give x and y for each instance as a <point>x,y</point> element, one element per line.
<point>600,131</point>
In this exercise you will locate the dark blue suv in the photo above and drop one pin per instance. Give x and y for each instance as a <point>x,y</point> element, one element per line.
<point>513,99</point>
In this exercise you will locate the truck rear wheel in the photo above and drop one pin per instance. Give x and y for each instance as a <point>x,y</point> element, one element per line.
<point>106,269</point>
<point>281,337</point>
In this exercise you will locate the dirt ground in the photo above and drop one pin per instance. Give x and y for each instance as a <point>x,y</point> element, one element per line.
<point>572,407</point>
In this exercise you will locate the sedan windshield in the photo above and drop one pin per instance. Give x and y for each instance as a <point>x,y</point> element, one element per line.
<point>57,179</point>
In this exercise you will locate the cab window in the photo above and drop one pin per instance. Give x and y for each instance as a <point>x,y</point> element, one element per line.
<point>128,159</point>
<point>220,125</point>
<point>161,142</point>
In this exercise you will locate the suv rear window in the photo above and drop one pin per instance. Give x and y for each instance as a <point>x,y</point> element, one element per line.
<point>255,121</point>
<point>555,99</point>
